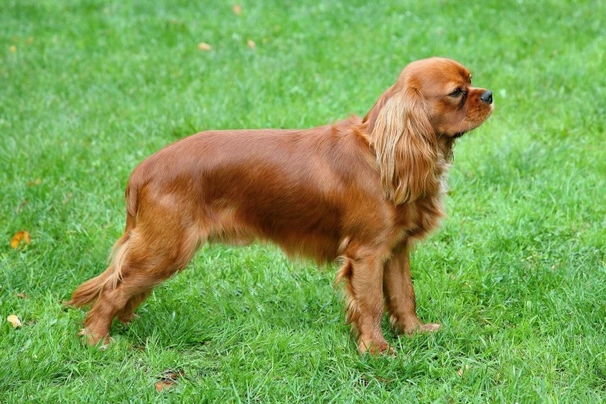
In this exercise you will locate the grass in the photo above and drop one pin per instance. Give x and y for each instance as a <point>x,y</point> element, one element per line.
<point>517,274</point>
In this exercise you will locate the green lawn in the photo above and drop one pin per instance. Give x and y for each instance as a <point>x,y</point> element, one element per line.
<point>516,275</point>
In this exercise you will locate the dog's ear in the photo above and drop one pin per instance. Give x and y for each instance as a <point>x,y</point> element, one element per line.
<point>371,116</point>
<point>404,143</point>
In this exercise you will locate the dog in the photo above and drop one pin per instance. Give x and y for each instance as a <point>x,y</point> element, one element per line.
<point>361,191</point>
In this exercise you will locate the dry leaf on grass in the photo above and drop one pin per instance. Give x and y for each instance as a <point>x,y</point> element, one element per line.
<point>203,46</point>
<point>14,320</point>
<point>251,44</point>
<point>20,237</point>
<point>169,379</point>
<point>237,9</point>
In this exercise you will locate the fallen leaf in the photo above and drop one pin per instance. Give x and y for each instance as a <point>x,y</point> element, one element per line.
<point>14,320</point>
<point>203,46</point>
<point>35,182</point>
<point>237,9</point>
<point>164,385</point>
<point>21,295</point>
<point>251,44</point>
<point>169,379</point>
<point>19,237</point>
<point>12,49</point>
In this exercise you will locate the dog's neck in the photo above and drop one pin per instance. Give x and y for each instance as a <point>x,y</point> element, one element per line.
<point>445,145</point>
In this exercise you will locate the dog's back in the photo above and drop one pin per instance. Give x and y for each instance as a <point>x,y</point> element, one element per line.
<point>284,186</point>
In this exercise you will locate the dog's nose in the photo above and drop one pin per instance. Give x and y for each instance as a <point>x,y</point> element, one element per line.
<point>486,97</point>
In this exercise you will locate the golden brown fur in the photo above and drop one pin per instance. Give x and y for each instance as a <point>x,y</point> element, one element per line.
<point>361,190</point>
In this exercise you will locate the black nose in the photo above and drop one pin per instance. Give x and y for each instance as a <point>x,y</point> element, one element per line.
<point>486,97</point>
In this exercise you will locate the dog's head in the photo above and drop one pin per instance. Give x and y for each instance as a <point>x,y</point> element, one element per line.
<point>453,106</point>
<point>432,101</point>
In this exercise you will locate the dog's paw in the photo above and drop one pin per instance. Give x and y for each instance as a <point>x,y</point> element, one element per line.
<point>92,339</point>
<point>376,348</point>
<point>417,327</point>
<point>426,328</point>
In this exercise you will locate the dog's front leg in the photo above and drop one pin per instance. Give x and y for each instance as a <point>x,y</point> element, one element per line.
<point>400,295</point>
<point>363,275</point>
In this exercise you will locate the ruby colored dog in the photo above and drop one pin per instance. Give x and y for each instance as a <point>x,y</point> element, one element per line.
<point>360,190</point>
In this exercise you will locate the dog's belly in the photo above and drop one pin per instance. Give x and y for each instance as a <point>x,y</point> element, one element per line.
<point>297,232</point>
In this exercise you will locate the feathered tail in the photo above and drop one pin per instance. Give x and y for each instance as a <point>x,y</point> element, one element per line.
<point>88,292</point>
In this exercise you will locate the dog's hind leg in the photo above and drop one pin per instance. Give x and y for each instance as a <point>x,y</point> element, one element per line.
<point>161,243</point>
<point>127,314</point>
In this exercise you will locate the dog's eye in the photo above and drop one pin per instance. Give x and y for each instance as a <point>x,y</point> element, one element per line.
<point>456,93</point>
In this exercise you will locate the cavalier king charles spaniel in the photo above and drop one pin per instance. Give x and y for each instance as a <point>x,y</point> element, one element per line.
<point>359,191</point>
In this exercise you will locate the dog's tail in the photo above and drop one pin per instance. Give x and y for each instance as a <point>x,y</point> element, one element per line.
<point>90,290</point>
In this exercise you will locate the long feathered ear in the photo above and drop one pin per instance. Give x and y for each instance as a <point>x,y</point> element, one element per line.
<point>404,144</point>
<point>371,116</point>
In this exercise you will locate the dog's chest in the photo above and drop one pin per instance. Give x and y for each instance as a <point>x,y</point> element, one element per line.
<point>418,218</point>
